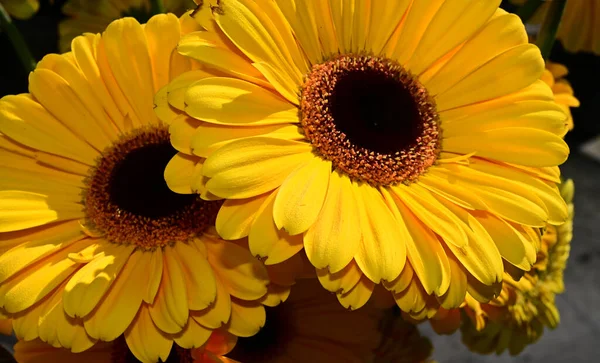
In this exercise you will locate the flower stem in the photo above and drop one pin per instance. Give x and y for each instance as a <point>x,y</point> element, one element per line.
<point>547,35</point>
<point>526,11</point>
<point>157,7</point>
<point>17,41</point>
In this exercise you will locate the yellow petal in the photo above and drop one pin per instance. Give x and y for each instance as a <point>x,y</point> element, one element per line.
<point>178,173</point>
<point>265,240</point>
<point>242,275</point>
<point>521,66</point>
<point>170,310</point>
<point>535,114</point>
<point>413,298</point>
<point>454,22</point>
<point>127,55</point>
<point>121,303</point>
<point>29,123</point>
<point>425,251</point>
<point>253,166</point>
<point>480,256</point>
<point>231,101</point>
<point>358,296</point>
<point>341,281</point>
<point>154,272</point>
<point>385,18</point>
<point>525,146</point>
<point>512,245</point>
<point>28,288</point>
<point>192,336</point>
<point>144,339</point>
<point>382,252</point>
<point>457,290</point>
<point>218,312</point>
<point>497,36</point>
<point>209,137</point>
<point>261,32</point>
<point>300,197</point>
<point>507,199</point>
<point>402,281</point>
<point>200,281</point>
<point>432,213</point>
<point>454,192</point>
<point>162,33</point>
<point>236,216</point>
<point>550,195</point>
<point>88,285</point>
<point>33,245</point>
<point>246,318</point>
<point>213,51</point>
<point>332,242</point>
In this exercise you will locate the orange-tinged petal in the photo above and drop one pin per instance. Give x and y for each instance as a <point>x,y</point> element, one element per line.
<point>242,275</point>
<point>145,340</point>
<point>218,312</point>
<point>199,278</point>
<point>192,336</point>
<point>236,216</point>
<point>358,296</point>
<point>246,318</point>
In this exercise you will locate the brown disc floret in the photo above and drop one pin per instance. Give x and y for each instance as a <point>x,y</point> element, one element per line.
<point>127,200</point>
<point>371,118</point>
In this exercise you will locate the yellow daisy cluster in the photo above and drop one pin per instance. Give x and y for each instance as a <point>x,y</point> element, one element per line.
<point>280,180</point>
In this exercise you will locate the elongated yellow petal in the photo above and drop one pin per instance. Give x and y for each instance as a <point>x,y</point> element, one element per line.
<point>88,285</point>
<point>170,310</point>
<point>118,309</point>
<point>425,251</point>
<point>144,339</point>
<point>236,216</point>
<point>192,336</point>
<point>382,252</point>
<point>218,313</point>
<point>457,290</point>
<point>358,296</point>
<point>332,242</point>
<point>246,318</point>
<point>454,22</point>
<point>266,240</point>
<point>243,275</point>
<point>250,167</point>
<point>200,281</point>
<point>525,146</point>
<point>213,100</point>
<point>341,281</point>
<point>301,196</point>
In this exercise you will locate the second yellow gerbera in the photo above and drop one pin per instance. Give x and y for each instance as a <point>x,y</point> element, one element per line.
<point>373,134</point>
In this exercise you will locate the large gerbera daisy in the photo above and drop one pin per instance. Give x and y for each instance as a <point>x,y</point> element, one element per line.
<point>94,243</point>
<point>21,9</point>
<point>372,134</point>
<point>86,16</point>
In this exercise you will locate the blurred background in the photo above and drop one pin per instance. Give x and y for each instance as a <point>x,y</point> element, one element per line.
<point>577,337</point>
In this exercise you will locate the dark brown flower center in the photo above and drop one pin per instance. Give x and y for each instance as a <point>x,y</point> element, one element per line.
<point>269,343</point>
<point>128,200</point>
<point>371,118</point>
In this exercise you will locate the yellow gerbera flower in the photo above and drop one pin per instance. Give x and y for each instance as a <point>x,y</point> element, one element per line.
<point>518,316</point>
<point>563,92</point>
<point>371,134</point>
<point>21,9</point>
<point>86,16</point>
<point>94,245</point>
<point>579,29</point>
